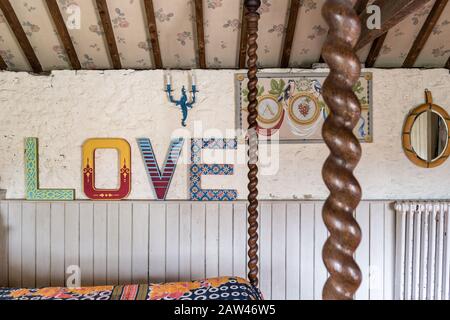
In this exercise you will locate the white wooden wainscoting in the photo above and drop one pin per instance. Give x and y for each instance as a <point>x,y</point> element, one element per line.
<point>142,241</point>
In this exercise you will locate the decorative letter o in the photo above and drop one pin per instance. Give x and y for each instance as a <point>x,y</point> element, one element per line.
<point>124,150</point>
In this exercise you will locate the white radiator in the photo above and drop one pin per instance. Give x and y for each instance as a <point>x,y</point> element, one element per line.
<point>422,269</point>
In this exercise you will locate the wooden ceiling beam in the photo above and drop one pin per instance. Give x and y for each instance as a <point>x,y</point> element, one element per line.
<point>375,50</point>
<point>20,35</point>
<point>105,18</point>
<point>425,32</point>
<point>360,6</point>
<point>63,33</point>
<point>290,31</point>
<point>392,13</point>
<point>153,32</point>
<point>243,41</point>
<point>3,65</point>
<point>200,33</point>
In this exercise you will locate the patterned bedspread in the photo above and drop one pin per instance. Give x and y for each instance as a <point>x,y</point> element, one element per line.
<point>224,288</point>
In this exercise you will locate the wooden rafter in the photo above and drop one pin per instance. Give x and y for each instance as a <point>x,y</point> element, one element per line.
<point>3,65</point>
<point>153,32</point>
<point>375,50</point>
<point>290,30</point>
<point>102,8</point>
<point>360,6</point>
<point>200,33</point>
<point>20,35</point>
<point>425,33</point>
<point>243,41</point>
<point>63,33</point>
<point>392,13</point>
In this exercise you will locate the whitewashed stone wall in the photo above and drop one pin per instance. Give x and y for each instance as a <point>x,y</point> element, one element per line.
<point>67,107</point>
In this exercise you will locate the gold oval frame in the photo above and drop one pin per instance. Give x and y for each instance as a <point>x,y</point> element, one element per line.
<point>294,117</point>
<point>278,114</point>
<point>406,135</point>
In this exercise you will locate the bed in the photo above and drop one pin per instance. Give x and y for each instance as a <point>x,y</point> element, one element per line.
<point>223,288</point>
<point>345,193</point>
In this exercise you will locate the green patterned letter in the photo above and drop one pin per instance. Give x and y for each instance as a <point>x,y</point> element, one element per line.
<point>32,191</point>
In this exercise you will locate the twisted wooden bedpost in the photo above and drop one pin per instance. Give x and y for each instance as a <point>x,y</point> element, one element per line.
<point>252,18</point>
<point>345,192</point>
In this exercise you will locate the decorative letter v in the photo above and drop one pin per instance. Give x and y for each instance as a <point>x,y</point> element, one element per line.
<point>160,182</point>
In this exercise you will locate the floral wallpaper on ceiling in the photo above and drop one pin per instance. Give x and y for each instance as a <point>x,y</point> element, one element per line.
<point>9,48</point>
<point>39,29</point>
<point>272,29</point>
<point>222,16</point>
<point>88,38</point>
<point>401,38</point>
<point>131,34</point>
<point>176,32</point>
<point>310,33</point>
<point>436,51</point>
<point>177,35</point>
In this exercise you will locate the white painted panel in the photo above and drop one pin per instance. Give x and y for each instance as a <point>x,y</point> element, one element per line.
<point>198,241</point>
<point>29,244</point>
<point>87,243</point>
<point>4,244</point>
<point>376,250</point>
<point>43,244</point>
<point>112,264</point>
<point>132,242</point>
<point>225,239</point>
<point>125,242</point>
<point>307,251</point>
<point>157,243</point>
<point>15,244</point>
<point>320,236</point>
<point>172,238</point>
<point>265,250</point>
<point>100,243</point>
<point>279,275</point>
<point>185,241</point>
<point>71,236</point>
<point>57,244</point>
<point>140,242</point>
<point>362,253</point>
<point>293,251</point>
<point>240,240</point>
<point>389,251</point>
<point>212,240</point>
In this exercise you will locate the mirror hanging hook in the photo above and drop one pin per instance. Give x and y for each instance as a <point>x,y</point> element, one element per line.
<point>428,97</point>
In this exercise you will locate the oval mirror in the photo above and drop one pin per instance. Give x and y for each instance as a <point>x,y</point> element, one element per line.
<point>426,133</point>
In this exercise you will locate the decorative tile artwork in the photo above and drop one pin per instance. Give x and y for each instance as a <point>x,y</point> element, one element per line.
<point>291,107</point>
<point>160,180</point>
<point>198,169</point>
<point>124,151</point>
<point>32,191</point>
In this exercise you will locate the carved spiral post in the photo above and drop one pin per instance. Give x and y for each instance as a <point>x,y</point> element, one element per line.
<point>345,191</point>
<point>252,18</point>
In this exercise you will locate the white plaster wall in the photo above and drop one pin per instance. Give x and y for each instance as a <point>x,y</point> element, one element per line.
<point>67,107</point>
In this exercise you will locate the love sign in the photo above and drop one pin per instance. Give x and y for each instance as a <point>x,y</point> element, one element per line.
<point>159,178</point>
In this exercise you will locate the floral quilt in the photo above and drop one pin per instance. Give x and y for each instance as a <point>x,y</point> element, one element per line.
<point>223,288</point>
